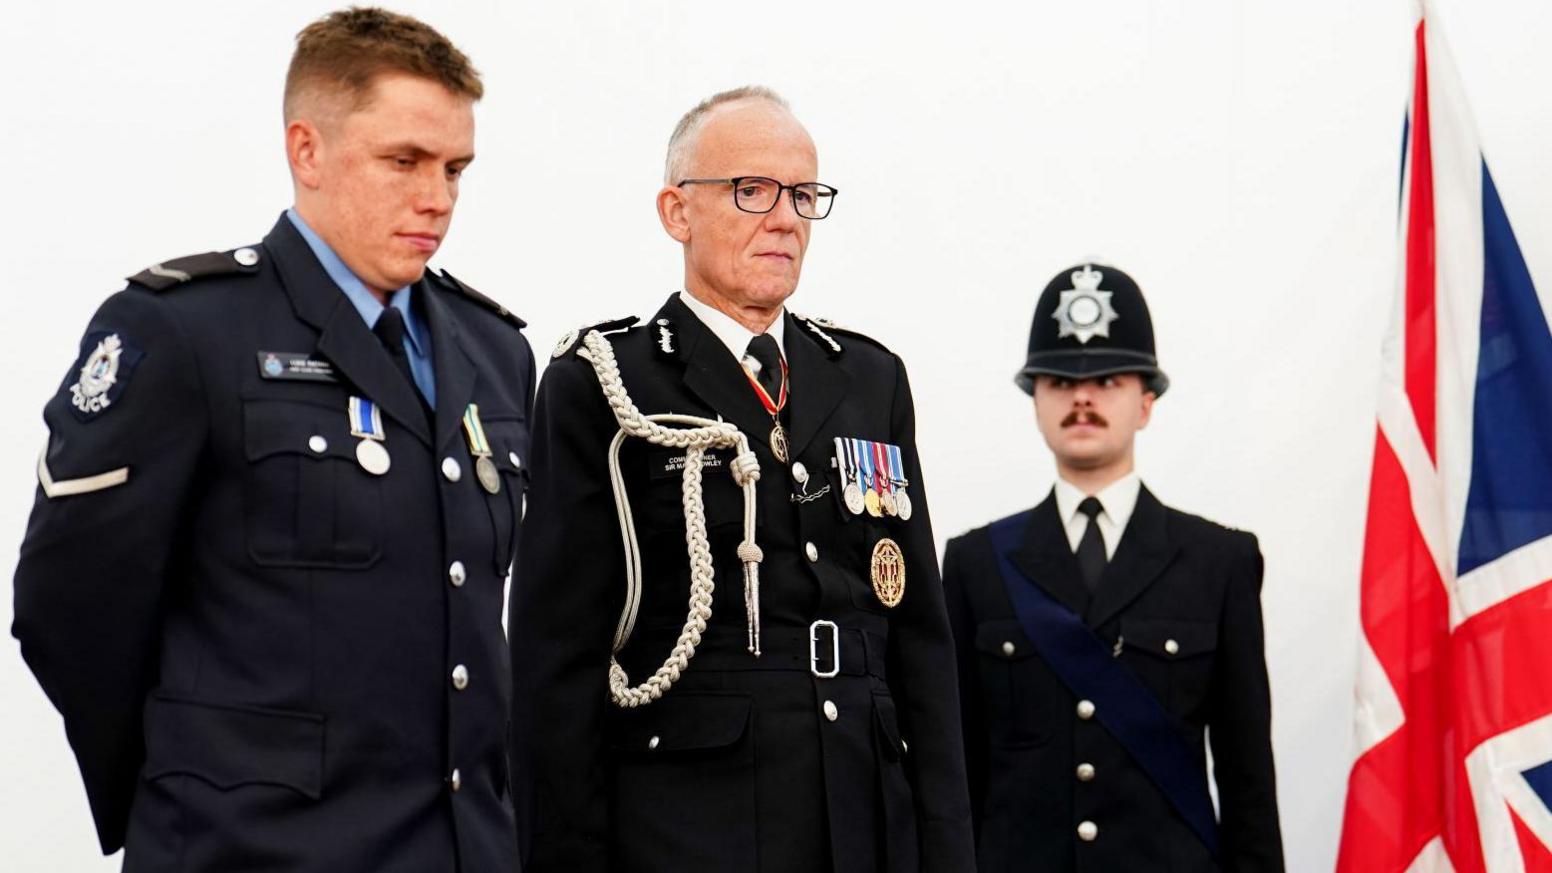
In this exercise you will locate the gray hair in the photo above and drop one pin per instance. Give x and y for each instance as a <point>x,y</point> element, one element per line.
<point>682,144</point>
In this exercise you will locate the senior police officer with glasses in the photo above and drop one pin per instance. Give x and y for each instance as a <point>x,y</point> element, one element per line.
<point>730,642</point>
<point>1102,633</point>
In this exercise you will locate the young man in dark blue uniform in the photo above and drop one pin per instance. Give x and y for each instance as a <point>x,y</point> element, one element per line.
<point>1101,634</point>
<point>263,576</point>
<point>814,727</point>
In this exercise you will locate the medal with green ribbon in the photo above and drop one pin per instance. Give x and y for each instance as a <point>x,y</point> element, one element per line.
<point>479,447</point>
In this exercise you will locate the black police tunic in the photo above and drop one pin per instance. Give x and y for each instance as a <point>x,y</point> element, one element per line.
<point>744,764</point>
<point>269,657</point>
<point>1053,790</point>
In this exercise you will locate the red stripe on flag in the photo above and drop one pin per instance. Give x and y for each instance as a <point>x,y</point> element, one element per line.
<point>1537,860</point>
<point>1395,794</point>
<point>1501,656</point>
<point>1421,330</point>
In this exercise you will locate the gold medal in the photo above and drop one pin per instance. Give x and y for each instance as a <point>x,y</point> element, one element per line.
<point>485,471</point>
<point>870,501</point>
<point>779,442</point>
<point>887,503</point>
<point>888,571</point>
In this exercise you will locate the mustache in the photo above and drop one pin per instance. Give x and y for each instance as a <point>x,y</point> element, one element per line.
<point>1084,416</point>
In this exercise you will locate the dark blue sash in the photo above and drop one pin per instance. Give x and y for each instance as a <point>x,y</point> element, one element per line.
<point>1123,704</point>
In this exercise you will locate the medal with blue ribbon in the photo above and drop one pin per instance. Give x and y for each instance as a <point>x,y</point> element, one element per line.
<point>872,499</point>
<point>366,422</point>
<point>479,447</point>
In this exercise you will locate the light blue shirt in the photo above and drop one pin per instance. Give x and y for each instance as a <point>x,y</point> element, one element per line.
<point>417,341</point>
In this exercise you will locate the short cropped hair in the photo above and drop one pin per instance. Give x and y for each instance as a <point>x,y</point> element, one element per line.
<point>345,51</point>
<point>681,145</point>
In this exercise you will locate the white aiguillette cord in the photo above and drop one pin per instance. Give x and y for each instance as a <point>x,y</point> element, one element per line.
<point>698,435</point>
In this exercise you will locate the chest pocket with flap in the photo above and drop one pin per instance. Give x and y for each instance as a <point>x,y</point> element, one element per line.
<point>307,503</point>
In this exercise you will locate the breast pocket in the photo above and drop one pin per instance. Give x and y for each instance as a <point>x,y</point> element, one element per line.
<point>1024,700</point>
<point>509,442</point>
<point>1175,656</point>
<point>307,503</point>
<point>723,500</point>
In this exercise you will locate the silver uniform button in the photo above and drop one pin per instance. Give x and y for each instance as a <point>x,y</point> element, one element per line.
<point>451,470</point>
<point>1085,709</point>
<point>799,473</point>
<point>456,574</point>
<point>318,444</point>
<point>1171,647</point>
<point>1087,831</point>
<point>1085,772</point>
<point>812,551</point>
<point>517,463</point>
<point>460,677</point>
<point>653,743</point>
<point>245,256</point>
<point>830,710</point>
<point>1008,648</point>
<point>455,780</point>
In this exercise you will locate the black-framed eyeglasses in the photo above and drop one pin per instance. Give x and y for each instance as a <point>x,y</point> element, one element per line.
<point>758,194</point>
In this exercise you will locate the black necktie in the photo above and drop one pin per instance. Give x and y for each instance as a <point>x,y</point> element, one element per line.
<point>1091,548</point>
<point>390,329</point>
<point>763,348</point>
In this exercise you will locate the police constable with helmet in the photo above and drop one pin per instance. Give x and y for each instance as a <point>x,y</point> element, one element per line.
<point>728,631</point>
<point>263,575</point>
<point>1101,634</point>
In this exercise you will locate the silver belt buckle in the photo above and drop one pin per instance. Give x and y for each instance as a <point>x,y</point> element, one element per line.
<point>835,649</point>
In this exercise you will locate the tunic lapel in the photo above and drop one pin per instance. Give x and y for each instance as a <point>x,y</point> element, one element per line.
<point>1143,553</point>
<point>344,338</point>
<point>715,376</point>
<point>818,384</point>
<point>1046,557</point>
<point>455,374</point>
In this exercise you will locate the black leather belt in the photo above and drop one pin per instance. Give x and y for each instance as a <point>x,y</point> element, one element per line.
<point>814,650</point>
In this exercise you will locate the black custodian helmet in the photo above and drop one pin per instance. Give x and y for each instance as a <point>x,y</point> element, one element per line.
<point>1091,321</point>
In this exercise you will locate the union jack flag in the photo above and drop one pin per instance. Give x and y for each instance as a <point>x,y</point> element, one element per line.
<point>1454,694</point>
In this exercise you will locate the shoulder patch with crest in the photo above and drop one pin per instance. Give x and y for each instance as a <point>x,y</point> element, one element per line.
<point>455,284</point>
<point>102,370</point>
<point>180,271</point>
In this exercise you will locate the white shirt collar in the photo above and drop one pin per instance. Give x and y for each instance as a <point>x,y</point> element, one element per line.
<point>1119,499</point>
<point>732,334</point>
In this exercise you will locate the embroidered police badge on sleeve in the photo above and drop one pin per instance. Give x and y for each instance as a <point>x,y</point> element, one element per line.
<point>107,361</point>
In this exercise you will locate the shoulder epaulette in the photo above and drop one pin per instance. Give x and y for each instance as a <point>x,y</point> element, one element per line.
<point>456,284</point>
<point>822,330</point>
<point>178,271</point>
<point>573,337</point>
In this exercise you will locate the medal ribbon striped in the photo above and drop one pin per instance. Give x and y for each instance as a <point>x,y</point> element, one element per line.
<point>774,407</point>
<point>366,419</point>
<point>478,446</point>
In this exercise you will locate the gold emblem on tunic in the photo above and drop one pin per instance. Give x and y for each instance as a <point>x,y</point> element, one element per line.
<point>888,572</point>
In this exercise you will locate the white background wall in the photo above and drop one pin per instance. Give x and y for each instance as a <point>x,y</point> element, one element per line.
<point>1238,158</point>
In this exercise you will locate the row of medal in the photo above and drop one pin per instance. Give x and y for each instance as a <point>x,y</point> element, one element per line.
<point>874,477</point>
<point>366,422</point>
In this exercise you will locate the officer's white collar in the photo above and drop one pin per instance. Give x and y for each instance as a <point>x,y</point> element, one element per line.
<point>732,334</point>
<point>1119,499</point>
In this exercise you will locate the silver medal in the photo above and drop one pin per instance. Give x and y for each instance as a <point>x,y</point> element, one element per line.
<point>372,457</point>
<point>854,499</point>
<point>485,471</point>
<point>902,504</point>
